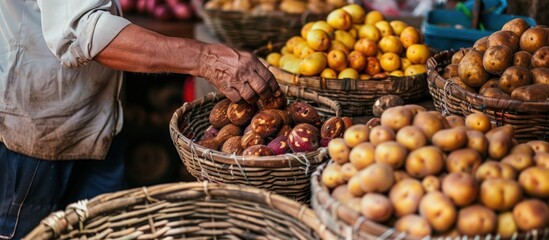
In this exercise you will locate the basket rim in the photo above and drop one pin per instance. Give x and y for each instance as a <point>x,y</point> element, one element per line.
<point>326,203</point>
<point>289,78</point>
<point>60,221</point>
<point>286,160</point>
<point>435,80</point>
<point>203,12</point>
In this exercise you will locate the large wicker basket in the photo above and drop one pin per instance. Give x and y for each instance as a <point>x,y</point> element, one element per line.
<point>249,30</point>
<point>346,223</point>
<point>529,119</point>
<point>288,174</point>
<point>356,96</point>
<point>197,210</point>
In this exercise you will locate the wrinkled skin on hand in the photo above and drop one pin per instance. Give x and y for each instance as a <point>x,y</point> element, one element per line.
<point>237,74</point>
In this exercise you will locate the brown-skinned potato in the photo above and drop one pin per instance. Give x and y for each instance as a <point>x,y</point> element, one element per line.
<point>531,93</point>
<point>514,77</point>
<point>471,70</point>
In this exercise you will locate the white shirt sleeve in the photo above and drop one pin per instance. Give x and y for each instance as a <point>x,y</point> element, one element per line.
<point>76,31</point>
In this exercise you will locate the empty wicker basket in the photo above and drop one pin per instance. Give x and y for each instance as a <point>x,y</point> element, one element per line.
<point>529,119</point>
<point>288,174</point>
<point>197,210</point>
<point>355,96</point>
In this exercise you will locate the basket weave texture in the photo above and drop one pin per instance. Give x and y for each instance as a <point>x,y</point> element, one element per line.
<point>197,210</point>
<point>287,174</point>
<point>356,96</point>
<point>249,30</point>
<point>529,119</point>
<point>346,223</point>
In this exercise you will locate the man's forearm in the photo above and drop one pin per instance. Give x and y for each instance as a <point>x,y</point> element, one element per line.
<point>136,49</point>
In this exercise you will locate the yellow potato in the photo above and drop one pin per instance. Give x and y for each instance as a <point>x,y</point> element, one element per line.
<point>460,187</point>
<point>405,196</point>
<point>493,169</point>
<point>414,226</point>
<point>500,194</point>
<point>531,214</point>
<point>356,134</point>
<point>463,160</point>
<point>478,121</point>
<point>476,140</point>
<point>392,153</point>
<point>535,181</point>
<point>438,210</point>
<point>377,177</point>
<point>338,150</point>
<point>431,183</point>
<point>476,220</point>
<point>362,155</point>
<point>450,139</point>
<point>379,134</point>
<point>519,161</point>
<point>424,161</point>
<point>376,207</point>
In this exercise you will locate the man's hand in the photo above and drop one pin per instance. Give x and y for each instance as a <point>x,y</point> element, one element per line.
<point>237,74</point>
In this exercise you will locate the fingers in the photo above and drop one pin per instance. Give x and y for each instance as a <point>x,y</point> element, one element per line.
<point>268,77</point>
<point>248,93</point>
<point>232,94</point>
<point>260,87</point>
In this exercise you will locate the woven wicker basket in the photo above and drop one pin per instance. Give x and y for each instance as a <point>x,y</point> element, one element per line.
<point>247,30</point>
<point>529,119</point>
<point>288,174</point>
<point>346,223</point>
<point>356,96</point>
<point>197,210</point>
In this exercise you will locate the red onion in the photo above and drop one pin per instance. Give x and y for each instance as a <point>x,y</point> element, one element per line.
<point>127,5</point>
<point>183,11</point>
<point>163,12</point>
<point>141,6</point>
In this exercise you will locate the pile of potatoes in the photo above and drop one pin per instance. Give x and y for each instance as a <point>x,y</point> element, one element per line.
<point>428,175</point>
<point>355,45</point>
<point>509,64</point>
<point>260,7</point>
<point>270,127</point>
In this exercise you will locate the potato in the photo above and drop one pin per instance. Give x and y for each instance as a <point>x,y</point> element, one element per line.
<point>463,160</point>
<point>500,194</point>
<point>542,160</point>
<point>356,134</point>
<point>458,55</point>
<point>414,226</point>
<point>493,169</point>
<point>476,220</point>
<point>257,150</point>
<point>442,119</point>
<point>218,115</point>
<point>405,196</point>
<point>377,177</point>
<point>373,122</point>
<point>450,71</point>
<point>438,210</point>
<point>539,146</point>
<point>532,93</point>
<point>540,58</point>
<point>431,183</point>
<point>522,59</point>
<point>519,161</point>
<point>497,58</point>
<point>535,181</point>
<point>411,137</point>
<point>506,129</point>
<point>331,176</point>
<point>514,77</point>
<point>415,108</point>
<point>531,214</point>
<point>517,26</point>
<point>384,102</point>
<point>504,38</point>
<point>396,117</point>
<point>455,121</point>
<point>495,92</point>
<point>540,75</point>
<point>266,124</point>
<point>478,121</point>
<point>533,39</point>
<point>341,193</point>
<point>492,83</point>
<point>424,161</point>
<point>457,81</point>
<point>523,148</point>
<point>302,112</point>
<point>481,44</point>
<point>303,138</point>
<point>362,155</point>
<point>477,141</point>
<point>279,145</point>
<point>334,127</point>
<point>224,133</point>
<point>428,123</point>
<point>450,139</point>
<point>400,175</point>
<point>354,186</point>
<point>499,144</point>
<point>232,146</point>
<point>460,187</point>
<point>284,131</point>
<point>348,171</point>
<point>283,114</point>
<point>240,114</point>
<point>506,225</point>
<point>338,150</point>
<point>376,207</point>
<point>379,134</point>
<point>250,138</point>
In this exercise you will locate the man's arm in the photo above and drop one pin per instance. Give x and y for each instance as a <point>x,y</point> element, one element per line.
<point>237,74</point>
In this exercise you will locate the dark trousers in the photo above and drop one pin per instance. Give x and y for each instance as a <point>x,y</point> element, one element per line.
<point>30,188</point>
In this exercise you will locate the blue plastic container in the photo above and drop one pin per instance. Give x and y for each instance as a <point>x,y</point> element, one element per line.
<point>439,28</point>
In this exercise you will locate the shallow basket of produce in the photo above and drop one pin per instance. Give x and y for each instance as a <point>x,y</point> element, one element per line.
<point>197,210</point>
<point>419,175</point>
<point>530,119</point>
<point>356,96</point>
<point>252,23</point>
<point>275,145</point>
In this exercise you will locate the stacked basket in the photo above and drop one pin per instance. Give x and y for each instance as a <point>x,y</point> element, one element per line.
<point>198,210</point>
<point>287,174</point>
